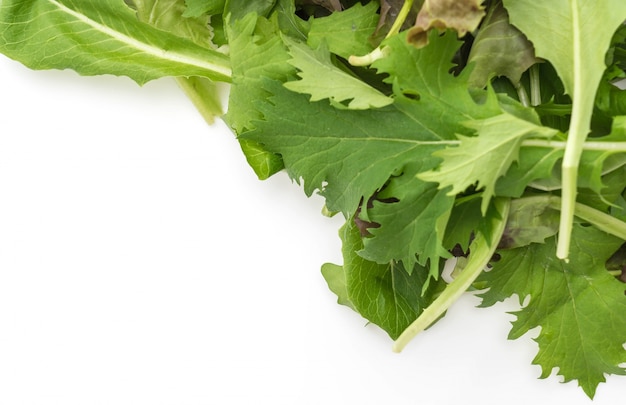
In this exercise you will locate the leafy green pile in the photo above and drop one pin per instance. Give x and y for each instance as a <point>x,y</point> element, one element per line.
<point>489,134</point>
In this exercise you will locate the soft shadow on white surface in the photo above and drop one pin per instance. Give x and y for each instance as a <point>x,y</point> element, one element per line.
<point>141,262</point>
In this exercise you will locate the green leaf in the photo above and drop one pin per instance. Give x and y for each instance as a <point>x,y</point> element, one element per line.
<point>412,216</point>
<point>257,53</point>
<point>578,305</point>
<point>335,277</point>
<point>168,15</point>
<point>350,155</point>
<point>240,9</point>
<point>346,33</point>
<point>100,37</point>
<point>534,168</point>
<point>320,78</point>
<point>424,74</point>
<point>499,49</point>
<point>576,45</point>
<point>384,294</point>
<point>530,220</point>
<point>482,159</point>
<point>196,8</point>
<point>347,163</point>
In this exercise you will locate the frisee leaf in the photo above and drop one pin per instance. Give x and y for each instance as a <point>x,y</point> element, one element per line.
<point>338,86</point>
<point>482,159</point>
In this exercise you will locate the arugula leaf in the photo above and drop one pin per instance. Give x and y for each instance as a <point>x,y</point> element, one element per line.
<point>576,46</point>
<point>100,37</point>
<point>578,305</point>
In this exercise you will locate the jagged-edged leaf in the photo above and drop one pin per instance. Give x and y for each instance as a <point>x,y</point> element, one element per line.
<point>482,159</point>
<point>384,294</point>
<point>338,86</point>
<point>578,305</point>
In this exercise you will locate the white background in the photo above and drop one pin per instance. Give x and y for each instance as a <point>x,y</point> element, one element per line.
<point>142,262</point>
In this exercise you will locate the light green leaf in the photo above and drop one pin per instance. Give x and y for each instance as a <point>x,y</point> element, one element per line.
<point>482,159</point>
<point>168,15</point>
<point>100,37</point>
<point>320,78</point>
<point>335,277</point>
<point>257,52</point>
<point>196,8</point>
<point>574,35</point>
<point>346,33</point>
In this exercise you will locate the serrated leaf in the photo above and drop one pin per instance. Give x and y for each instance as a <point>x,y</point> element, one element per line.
<point>576,45</point>
<point>100,37</point>
<point>482,159</point>
<point>349,155</point>
<point>256,53</point>
<point>347,163</point>
<point>384,294</point>
<point>412,216</point>
<point>534,168</point>
<point>578,305</point>
<point>321,79</point>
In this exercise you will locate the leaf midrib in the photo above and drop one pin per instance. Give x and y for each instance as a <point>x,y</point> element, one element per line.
<point>141,46</point>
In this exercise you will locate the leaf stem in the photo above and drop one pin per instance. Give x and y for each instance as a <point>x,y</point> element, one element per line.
<point>402,15</point>
<point>482,253</point>
<point>535,86</point>
<point>522,95</point>
<point>381,52</point>
<point>599,219</point>
<point>597,146</point>
<point>205,96</point>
